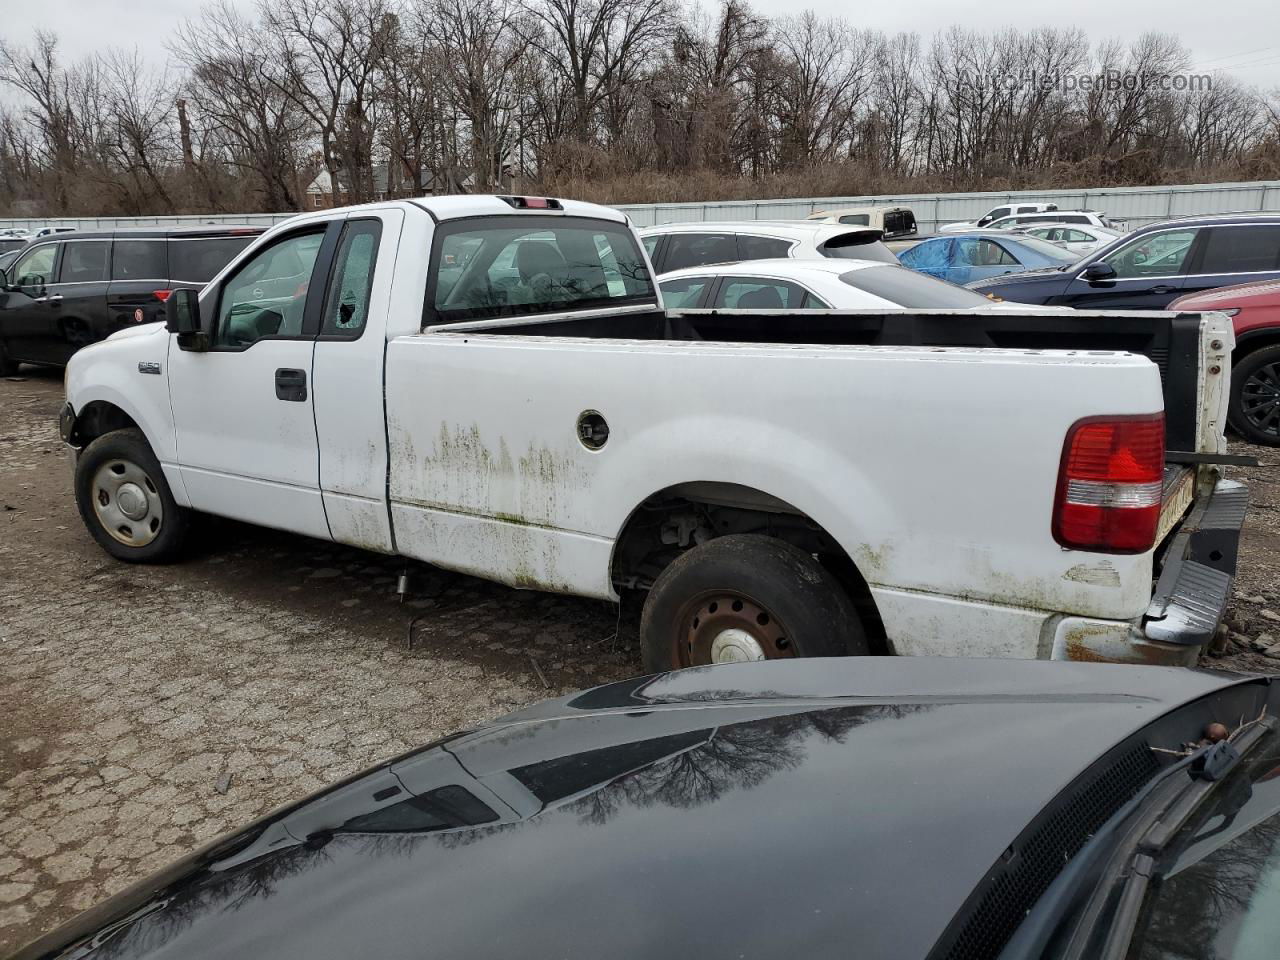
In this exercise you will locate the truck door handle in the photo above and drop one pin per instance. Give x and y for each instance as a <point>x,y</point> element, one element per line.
<point>1163,288</point>
<point>291,384</point>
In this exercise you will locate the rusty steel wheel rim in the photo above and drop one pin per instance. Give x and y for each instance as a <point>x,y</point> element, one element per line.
<point>724,626</point>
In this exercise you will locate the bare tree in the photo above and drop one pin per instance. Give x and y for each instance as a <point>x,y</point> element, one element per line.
<point>328,51</point>
<point>244,120</point>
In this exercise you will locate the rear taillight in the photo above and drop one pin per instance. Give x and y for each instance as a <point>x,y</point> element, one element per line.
<point>1110,484</point>
<point>161,295</point>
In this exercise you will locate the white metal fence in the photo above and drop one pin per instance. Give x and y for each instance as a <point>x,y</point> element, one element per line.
<point>1137,205</point>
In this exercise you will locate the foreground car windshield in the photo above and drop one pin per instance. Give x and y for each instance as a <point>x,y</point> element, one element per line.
<point>516,265</point>
<point>907,288</point>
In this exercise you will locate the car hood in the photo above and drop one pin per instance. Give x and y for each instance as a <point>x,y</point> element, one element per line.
<point>758,809</point>
<point>1262,293</point>
<point>1039,275</point>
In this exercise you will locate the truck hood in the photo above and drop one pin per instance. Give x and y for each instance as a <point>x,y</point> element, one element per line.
<point>141,330</point>
<point>729,809</point>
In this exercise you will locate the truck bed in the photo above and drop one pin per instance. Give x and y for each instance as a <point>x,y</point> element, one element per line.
<point>1170,340</point>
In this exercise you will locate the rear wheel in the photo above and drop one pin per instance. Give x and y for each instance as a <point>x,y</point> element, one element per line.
<point>746,597</point>
<point>1255,397</point>
<point>125,501</point>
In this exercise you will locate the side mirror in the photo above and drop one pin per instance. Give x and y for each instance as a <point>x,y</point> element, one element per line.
<point>1098,271</point>
<point>4,280</point>
<point>182,316</point>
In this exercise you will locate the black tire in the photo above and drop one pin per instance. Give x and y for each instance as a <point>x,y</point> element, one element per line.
<point>8,367</point>
<point>777,594</point>
<point>1254,409</point>
<point>139,525</point>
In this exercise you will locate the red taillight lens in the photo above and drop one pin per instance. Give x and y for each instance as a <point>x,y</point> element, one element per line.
<point>161,295</point>
<point>1110,484</point>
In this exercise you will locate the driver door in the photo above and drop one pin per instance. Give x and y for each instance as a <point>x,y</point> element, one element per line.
<point>243,410</point>
<point>1150,272</point>
<point>26,311</point>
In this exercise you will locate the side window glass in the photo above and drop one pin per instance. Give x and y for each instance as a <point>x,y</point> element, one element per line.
<point>84,261</point>
<point>199,260</point>
<point>998,256</point>
<point>651,246</point>
<point>1155,255</point>
<point>683,291</point>
<point>744,293</point>
<point>699,249</point>
<point>762,248</point>
<point>966,252</point>
<point>857,219</point>
<point>813,303</point>
<point>1244,249</point>
<point>138,260</point>
<point>266,296</point>
<point>36,268</point>
<point>346,308</point>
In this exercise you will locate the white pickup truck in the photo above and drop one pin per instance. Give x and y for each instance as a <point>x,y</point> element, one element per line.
<point>491,385</point>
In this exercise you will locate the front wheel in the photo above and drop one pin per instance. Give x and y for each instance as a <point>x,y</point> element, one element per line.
<point>125,501</point>
<point>8,366</point>
<point>1255,397</point>
<point>746,597</point>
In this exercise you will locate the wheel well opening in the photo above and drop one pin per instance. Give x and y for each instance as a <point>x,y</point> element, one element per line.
<point>1252,344</point>
<point>679,518</point>
<point>98,418</point>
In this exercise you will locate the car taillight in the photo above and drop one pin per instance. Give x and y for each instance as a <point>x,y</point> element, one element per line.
<point>1110,484</point>
<point>161,295</point>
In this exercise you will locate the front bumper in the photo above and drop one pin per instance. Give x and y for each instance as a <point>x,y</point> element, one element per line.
<point>66,422</point>
<point>1189,599</point>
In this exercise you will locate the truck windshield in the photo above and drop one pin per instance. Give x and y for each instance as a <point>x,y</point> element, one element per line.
<point>502,266</point>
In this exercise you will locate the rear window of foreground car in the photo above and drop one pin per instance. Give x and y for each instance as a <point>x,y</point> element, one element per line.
<point>914,290</point>
<point>857,246</point>
<point>503,266</point>
<point>1049,251</point>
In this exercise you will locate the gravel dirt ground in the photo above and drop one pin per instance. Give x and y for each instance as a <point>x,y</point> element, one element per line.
<point>146,710</point>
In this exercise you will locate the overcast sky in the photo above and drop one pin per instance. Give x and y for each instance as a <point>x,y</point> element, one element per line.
<point>1239,39</point>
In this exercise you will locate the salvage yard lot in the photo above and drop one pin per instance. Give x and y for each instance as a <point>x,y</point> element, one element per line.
<point>148,709</point>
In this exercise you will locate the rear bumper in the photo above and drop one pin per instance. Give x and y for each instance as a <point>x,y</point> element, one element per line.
<point>1189,599</point>
<point>1199,566</point>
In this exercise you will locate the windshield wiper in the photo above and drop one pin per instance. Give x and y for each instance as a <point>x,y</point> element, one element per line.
<point>1207,768</point>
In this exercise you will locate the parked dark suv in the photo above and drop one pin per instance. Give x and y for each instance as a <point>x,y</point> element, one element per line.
<point>1151,267</point>
<point>67,290</point>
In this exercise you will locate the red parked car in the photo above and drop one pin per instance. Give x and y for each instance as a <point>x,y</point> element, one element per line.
<point>1255,371</point>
